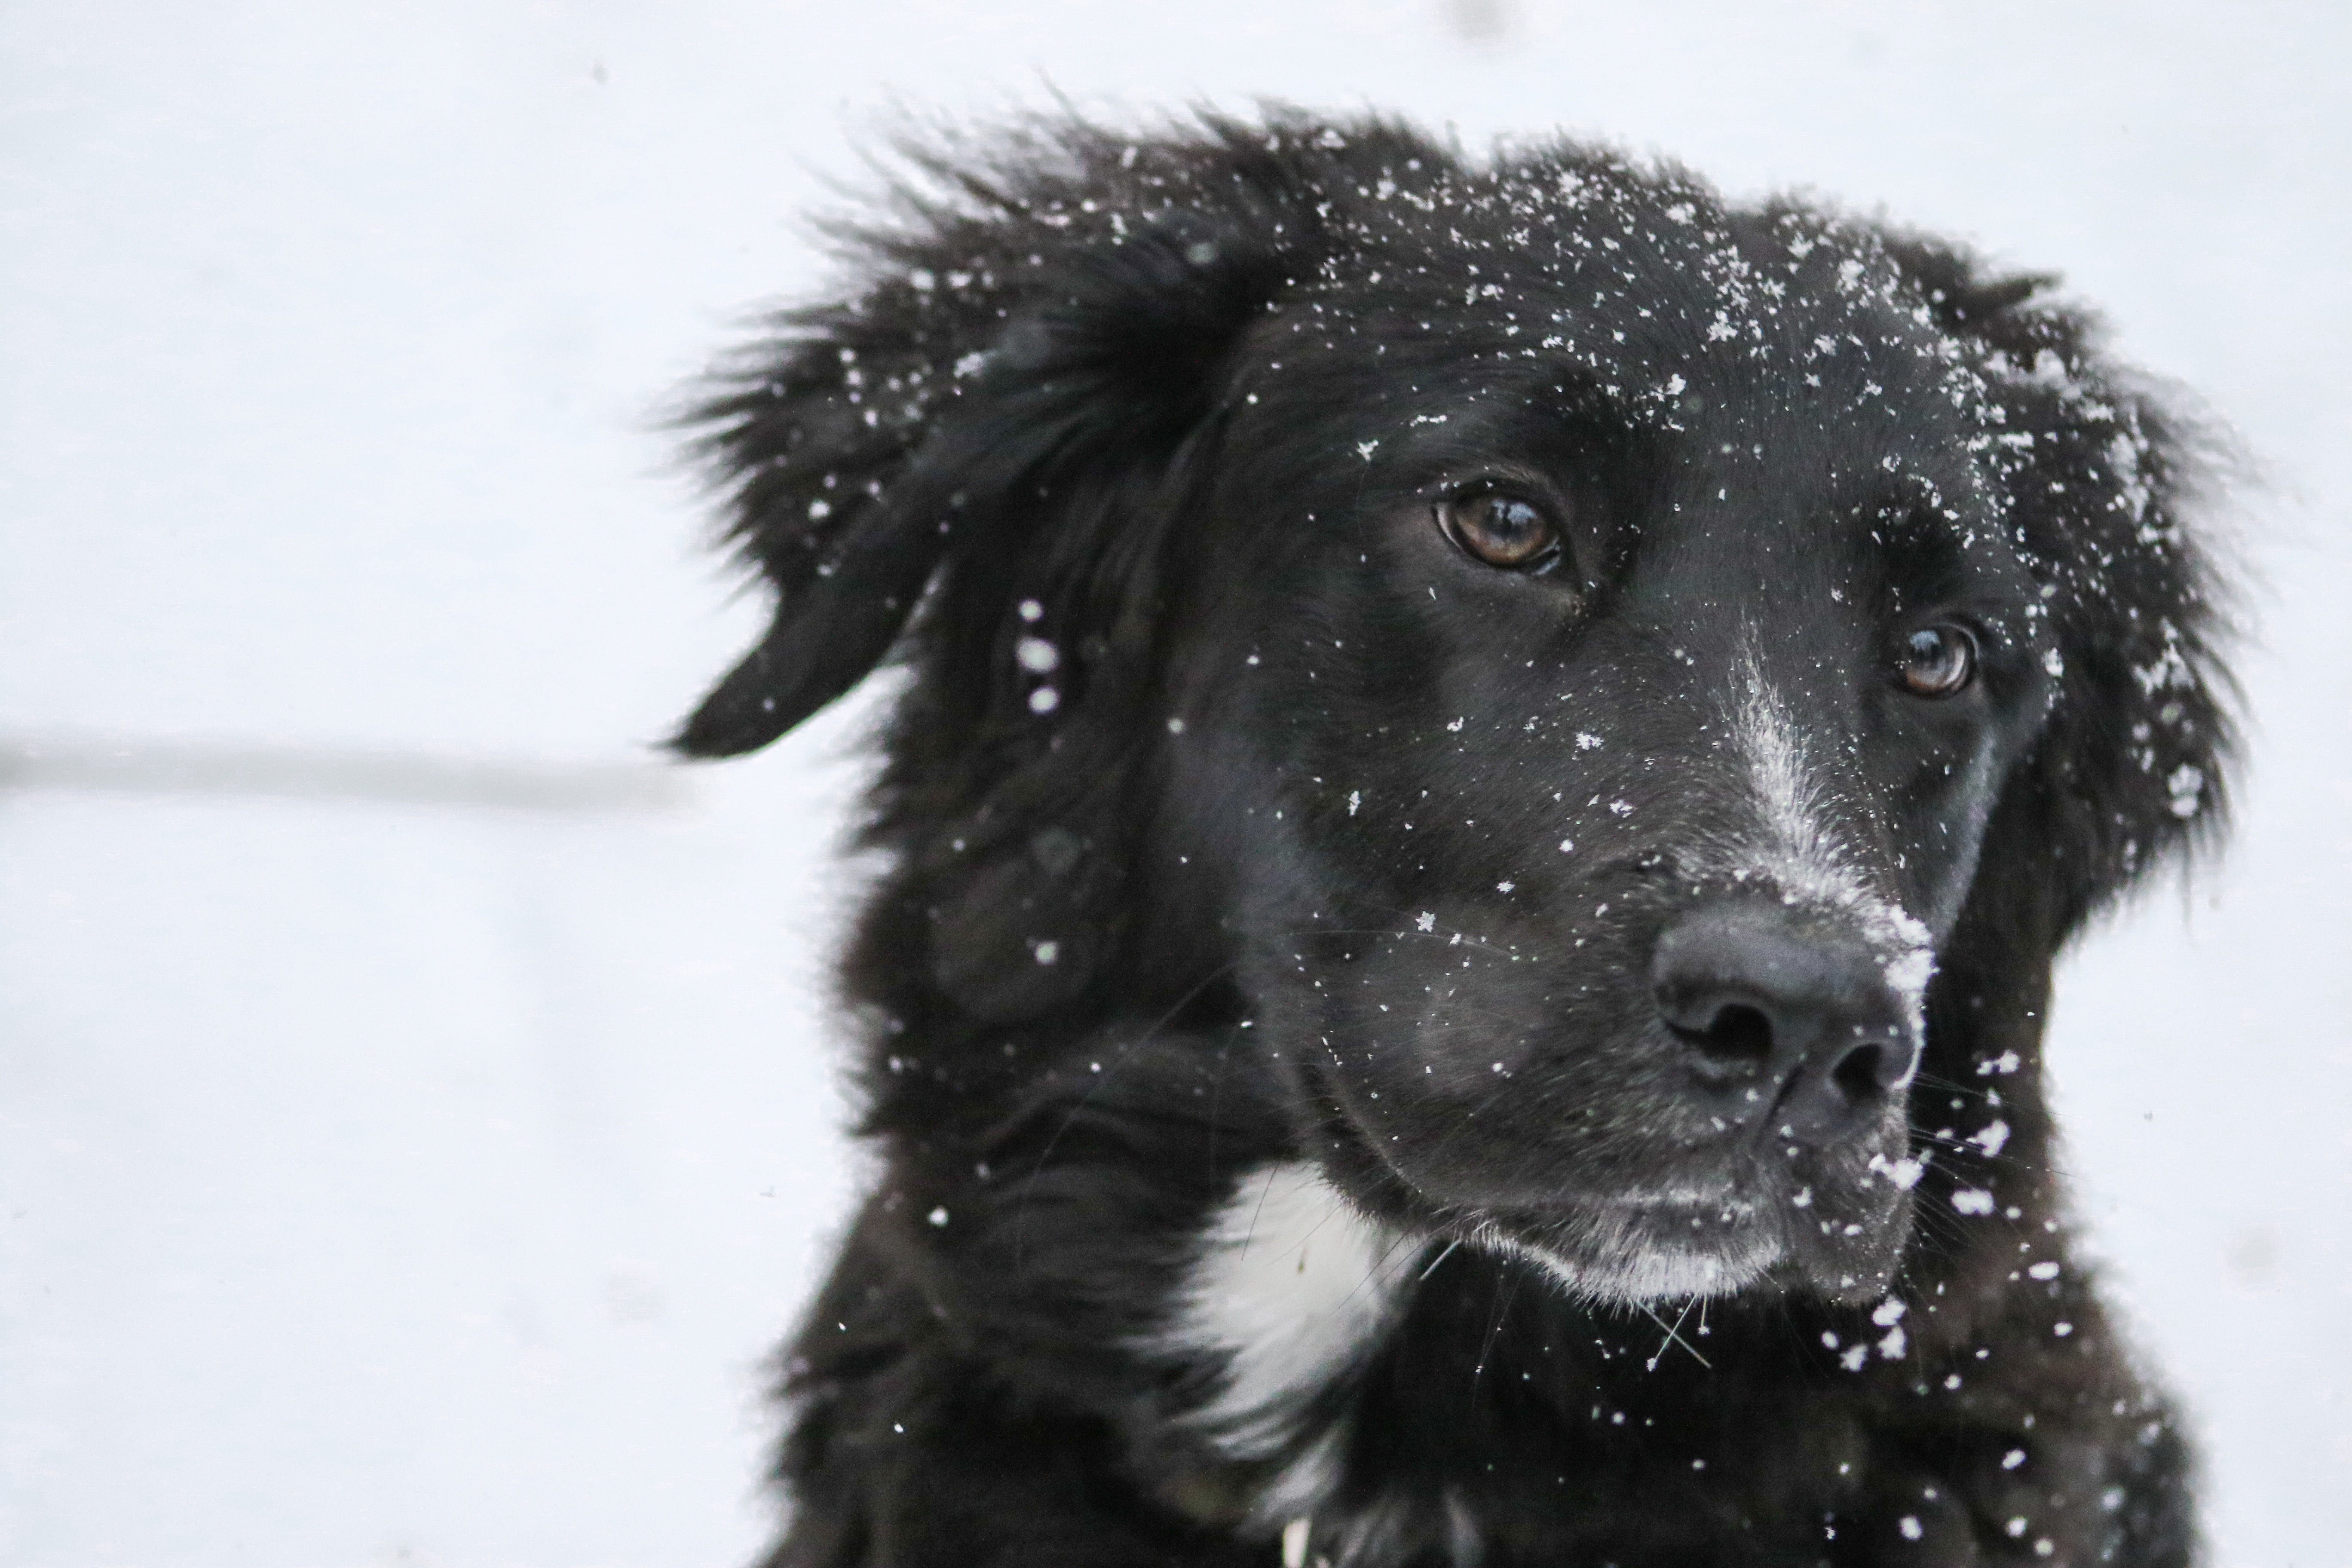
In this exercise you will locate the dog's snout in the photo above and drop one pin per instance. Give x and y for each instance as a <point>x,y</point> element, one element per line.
<point>1788,1026</point>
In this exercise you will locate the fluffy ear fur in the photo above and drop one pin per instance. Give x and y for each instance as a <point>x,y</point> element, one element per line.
<point>870,442</point>
<point>2103,483</point>
<point>997,420</point>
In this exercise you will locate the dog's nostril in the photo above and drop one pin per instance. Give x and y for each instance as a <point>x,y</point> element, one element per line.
<point>1737,1036</point>
<point>1861,1073</point>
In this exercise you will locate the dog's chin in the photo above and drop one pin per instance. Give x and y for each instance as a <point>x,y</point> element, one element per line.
<point>1642,1251</point>
<point>1634,1253</point>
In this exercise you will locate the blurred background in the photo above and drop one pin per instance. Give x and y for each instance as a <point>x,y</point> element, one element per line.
<point>418,1104</point>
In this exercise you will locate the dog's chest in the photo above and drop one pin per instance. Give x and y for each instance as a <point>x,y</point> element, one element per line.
<point>1288,1293</point>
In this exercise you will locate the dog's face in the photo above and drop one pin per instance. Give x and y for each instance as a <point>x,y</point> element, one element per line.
<point>1601,730</point>
<point>1584,658</point>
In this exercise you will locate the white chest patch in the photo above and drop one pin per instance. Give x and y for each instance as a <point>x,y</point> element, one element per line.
<point>1290,1286</point>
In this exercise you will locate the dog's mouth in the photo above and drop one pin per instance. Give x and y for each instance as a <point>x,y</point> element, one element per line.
<point>1831,1228</point>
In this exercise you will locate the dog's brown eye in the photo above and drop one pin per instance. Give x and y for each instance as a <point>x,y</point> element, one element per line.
<point>1500,529</point>
<point>1937,661</point>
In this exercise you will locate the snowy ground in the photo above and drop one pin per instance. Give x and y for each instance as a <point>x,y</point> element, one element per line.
<point>416,1117</point>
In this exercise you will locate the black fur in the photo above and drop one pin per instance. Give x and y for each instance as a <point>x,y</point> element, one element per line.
<point>1178,406</point>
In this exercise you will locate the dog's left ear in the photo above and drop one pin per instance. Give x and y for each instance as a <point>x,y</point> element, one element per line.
<point>2106,486</point>
<point>988,439</point>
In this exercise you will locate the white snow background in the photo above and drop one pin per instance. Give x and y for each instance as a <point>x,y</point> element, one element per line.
<point>418,1113</point>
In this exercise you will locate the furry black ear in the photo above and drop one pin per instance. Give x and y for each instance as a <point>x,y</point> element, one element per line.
<point>830,435</point>
<point>2104,485</point>
<point>974,461</point>
<point>1062,307</point>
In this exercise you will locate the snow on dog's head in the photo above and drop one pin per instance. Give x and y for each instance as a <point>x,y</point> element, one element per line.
<point>1590,674</point>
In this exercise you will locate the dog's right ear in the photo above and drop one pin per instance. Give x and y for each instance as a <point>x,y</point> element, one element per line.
<point>2107,489</point>
<point>1063,315</point>
<point>814,432</point>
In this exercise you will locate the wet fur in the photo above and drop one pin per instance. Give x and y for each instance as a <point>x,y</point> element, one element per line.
<point>1043,408</point>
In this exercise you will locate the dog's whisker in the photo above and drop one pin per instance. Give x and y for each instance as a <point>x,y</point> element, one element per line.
<point>1255,1214</point>
<point>1507,1287</point>
<point>1674,1335</point>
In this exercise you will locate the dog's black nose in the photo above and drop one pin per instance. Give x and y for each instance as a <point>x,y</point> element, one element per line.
<point>1792,1027</point>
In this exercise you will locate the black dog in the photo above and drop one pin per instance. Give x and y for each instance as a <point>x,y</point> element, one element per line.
<point>1494,760</point>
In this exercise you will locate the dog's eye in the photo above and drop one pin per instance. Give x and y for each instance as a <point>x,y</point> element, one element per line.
<point>1937,661</point>
<point>1501,528</point>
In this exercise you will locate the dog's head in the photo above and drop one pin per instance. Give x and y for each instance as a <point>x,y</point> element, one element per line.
<point>1603,682</point>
